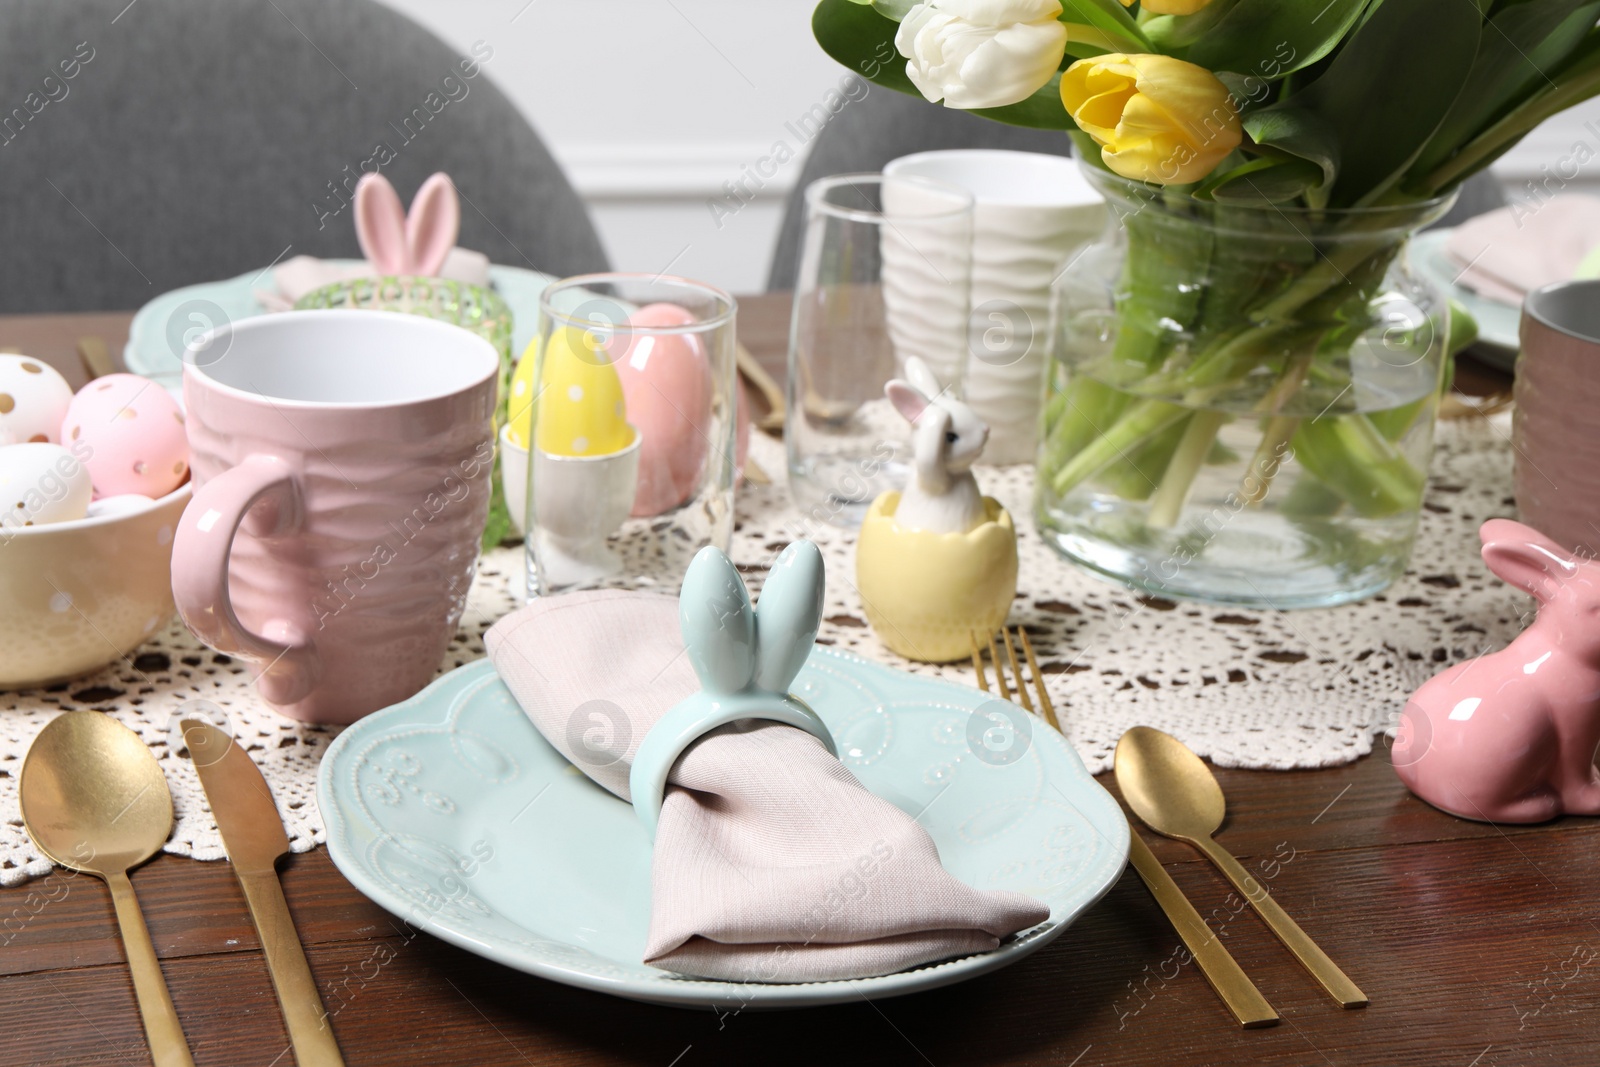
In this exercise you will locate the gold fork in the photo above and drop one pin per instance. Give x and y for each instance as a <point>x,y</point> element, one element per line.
<point>1045,708</point>
<point>1240,995</point>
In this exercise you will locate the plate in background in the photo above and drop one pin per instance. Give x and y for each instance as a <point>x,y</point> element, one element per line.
<point>155,338</point>
<point>451,811</point>
<point>1497,323</point>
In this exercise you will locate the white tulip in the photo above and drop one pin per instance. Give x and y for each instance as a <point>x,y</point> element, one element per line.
<point>981,53</point>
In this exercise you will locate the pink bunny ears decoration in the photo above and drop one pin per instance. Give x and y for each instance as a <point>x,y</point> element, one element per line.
<point>396,242</point>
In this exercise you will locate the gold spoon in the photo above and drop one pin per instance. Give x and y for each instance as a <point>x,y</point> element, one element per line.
<point>1177,796</point>
<point>94,800</point>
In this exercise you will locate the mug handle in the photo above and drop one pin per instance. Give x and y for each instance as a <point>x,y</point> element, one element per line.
<point>200,553</point>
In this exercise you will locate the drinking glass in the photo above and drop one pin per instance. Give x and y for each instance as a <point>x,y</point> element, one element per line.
<point>629,458</point>
<point>885,274</point>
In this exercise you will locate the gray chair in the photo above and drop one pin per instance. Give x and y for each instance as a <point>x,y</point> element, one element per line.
<point>886,125</point>
<point>199,140</point>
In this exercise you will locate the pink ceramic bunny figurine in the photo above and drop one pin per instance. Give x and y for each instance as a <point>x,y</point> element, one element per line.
<point>1511,736</point>
<point>397,243</point>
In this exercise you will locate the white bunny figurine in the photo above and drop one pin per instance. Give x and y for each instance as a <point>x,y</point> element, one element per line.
<point>941,496</point>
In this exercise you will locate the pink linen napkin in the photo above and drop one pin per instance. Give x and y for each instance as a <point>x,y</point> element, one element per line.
<point>1506,254</point>
<point>299,275</point>
<point>772,863</point>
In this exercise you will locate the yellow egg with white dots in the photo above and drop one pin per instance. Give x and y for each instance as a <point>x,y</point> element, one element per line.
<point>581,410</point>
<point>519,416</point>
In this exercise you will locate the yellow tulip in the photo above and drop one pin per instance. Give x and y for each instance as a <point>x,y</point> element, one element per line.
<point>1170,7</point>
<point>1157,119</point>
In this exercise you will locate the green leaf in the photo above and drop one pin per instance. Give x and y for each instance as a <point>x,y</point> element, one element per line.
<point>863,40</point>
<point>1228,170</point>
<point>1520,45</point>
<point>1271,38</point>
<point>1248,92</point>
<point>1389,87</point>
<point>1298,132</point>
<point>892,9</point>
<point>1110,18</point>
<point>1577,80</point>
<point>1078,50</point>
<point>1462,326</point>
<point>1171,33</point>
<point>1266,181</point>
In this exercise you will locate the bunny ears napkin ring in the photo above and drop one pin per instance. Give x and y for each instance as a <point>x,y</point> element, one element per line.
<point>397,242</point>
<point>745,658</point>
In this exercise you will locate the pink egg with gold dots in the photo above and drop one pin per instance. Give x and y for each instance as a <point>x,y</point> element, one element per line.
<point>133,431</point>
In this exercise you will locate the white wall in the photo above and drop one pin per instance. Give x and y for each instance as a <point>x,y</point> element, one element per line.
<point>652,105</point>
<point>1562,156</point>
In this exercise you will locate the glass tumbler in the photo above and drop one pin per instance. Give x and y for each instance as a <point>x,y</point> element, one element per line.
<point>629,457</point>
<point>885,274</point>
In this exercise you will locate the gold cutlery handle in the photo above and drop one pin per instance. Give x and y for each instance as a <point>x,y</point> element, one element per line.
<point>310,1030</point>
<point>161,1028</point>
<point>1216,962</point>
<point>1296,940</point>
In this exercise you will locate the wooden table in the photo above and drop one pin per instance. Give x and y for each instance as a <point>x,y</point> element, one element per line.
<point>1479,945</point>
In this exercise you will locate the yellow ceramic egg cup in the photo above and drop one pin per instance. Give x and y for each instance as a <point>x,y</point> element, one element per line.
<point>926,593</point>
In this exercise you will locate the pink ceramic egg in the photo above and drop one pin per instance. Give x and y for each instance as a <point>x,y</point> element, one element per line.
<point>135,434</point>
<point>666,390</point>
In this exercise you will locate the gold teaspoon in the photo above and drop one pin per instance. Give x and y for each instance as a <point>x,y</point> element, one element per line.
<point>1176,795</point>
<point>94,800</point>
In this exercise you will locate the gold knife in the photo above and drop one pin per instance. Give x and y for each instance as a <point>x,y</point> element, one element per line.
<point>252,832</point>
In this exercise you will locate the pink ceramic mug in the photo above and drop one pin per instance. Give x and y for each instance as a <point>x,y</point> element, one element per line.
<point>341,467</point>
<point>1557,464</point>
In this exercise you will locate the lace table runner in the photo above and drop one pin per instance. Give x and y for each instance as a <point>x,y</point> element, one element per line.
<point>1246,688</point>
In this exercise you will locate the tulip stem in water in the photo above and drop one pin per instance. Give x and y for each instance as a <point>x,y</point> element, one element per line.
<point>1167,504</point>
<point>1275,436</point>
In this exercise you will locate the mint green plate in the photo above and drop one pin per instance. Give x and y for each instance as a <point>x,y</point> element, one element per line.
<point>451,811</point>
<point>1497,323</point>
<point>159,329</point>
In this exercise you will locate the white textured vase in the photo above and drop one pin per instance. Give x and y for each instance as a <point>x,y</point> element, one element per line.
<point>926,249</point>
<point>1032,212</point>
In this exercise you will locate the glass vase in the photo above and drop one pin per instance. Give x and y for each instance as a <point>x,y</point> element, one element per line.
<point>1240,398</point>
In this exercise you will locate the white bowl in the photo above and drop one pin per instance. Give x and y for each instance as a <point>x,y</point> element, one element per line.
<point>81,594</point>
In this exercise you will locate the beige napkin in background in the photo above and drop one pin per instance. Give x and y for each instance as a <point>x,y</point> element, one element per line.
<point>1505,254</point>
<point>772,863</point>
<point>299,275</point>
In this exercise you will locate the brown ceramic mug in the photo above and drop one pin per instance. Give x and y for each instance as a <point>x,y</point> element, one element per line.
<point>1556,426</point>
